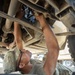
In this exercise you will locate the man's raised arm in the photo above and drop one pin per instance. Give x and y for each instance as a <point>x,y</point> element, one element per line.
<point>52,45</point>
<point>17,31</point>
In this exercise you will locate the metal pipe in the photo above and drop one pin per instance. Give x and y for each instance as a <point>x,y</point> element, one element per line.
<point>11,12</point>
<point>24,23</point>
<point>65,33</point>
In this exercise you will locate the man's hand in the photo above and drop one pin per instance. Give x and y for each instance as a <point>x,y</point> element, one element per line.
<point>42,21</point>
<point>20,14</point>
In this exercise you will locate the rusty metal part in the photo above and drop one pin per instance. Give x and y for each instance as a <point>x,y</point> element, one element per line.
<point>24,23</point>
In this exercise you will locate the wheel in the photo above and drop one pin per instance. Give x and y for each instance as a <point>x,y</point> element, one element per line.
<point>71,45</point>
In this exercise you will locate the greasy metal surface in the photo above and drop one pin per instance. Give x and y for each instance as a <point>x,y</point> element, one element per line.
<point>33,6</point>
<point>38,8</point>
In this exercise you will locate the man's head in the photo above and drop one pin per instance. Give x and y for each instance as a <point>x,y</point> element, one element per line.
<point>16,60</point>
<point>23,59</point>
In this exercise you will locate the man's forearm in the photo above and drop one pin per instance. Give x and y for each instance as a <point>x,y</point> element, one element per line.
<point>17,30</point>
<point>52,45</point>
<point>50,38</point>
<point>53,50</point>
<point>18,35</point>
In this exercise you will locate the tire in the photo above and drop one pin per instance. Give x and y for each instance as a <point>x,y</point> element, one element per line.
<point>71,45</point>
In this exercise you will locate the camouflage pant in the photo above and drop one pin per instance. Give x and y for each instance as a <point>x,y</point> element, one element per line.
<point>62,70</point>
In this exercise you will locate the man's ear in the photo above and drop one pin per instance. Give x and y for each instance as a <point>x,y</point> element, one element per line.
<point>21,65</point>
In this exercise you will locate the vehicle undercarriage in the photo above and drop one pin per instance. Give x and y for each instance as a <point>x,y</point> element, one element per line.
<point>53,10</point>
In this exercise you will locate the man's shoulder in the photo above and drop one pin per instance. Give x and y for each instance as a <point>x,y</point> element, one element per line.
<point>37,67</point>
<point>34,61</point>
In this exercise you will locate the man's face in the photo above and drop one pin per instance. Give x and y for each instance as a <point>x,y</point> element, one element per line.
<point>24,59</point>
